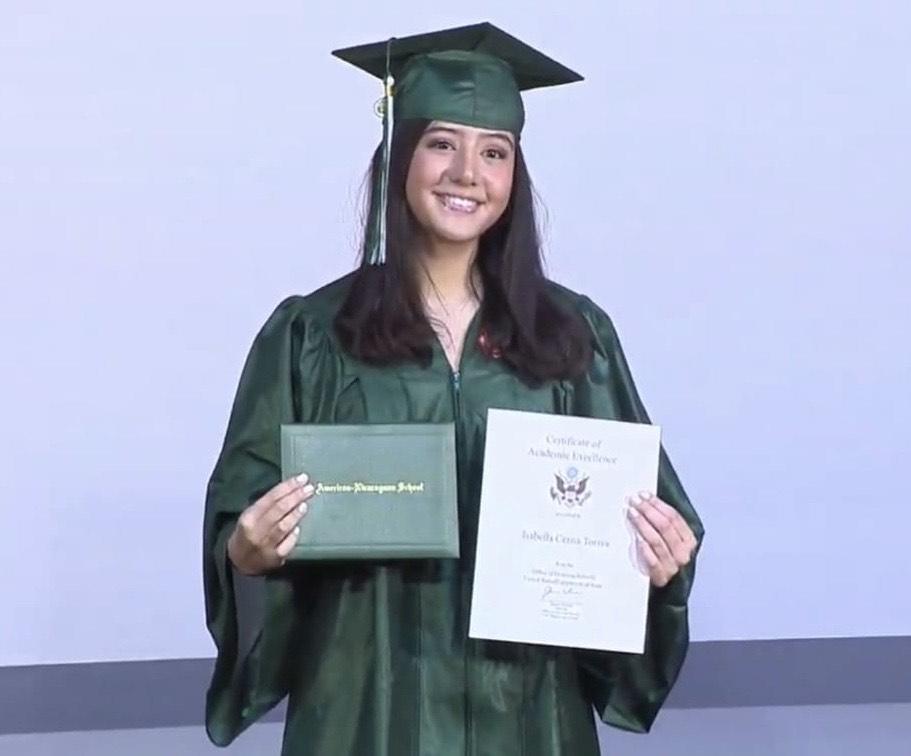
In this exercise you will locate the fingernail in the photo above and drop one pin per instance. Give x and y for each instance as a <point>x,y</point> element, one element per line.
<point>303,508</point>
<point>302,478</point>
<point>308,489</point>
<point>645,495</point>
<point>632,513</point>
<point>297,532</point>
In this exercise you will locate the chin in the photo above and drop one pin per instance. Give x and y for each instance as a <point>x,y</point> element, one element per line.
<point>454,241</point>
<point>457,233</point>
<point>455,237</point>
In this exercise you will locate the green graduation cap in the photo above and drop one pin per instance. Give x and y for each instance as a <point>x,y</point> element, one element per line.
<point>471,75</point>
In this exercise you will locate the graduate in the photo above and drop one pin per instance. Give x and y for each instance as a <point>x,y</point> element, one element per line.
<point>448,314</point>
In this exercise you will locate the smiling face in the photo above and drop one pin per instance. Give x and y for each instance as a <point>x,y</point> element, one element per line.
<point>459,182</point>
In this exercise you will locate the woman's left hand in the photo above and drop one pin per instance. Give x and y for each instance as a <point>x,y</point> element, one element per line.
<point>665,543</point>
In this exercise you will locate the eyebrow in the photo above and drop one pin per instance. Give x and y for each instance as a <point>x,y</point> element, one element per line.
<point>489,134</point>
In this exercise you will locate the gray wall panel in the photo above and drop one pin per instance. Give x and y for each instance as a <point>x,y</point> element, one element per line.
<point>728,674</point>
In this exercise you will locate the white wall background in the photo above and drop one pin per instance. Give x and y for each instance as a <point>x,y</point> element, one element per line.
<point>731,183</point>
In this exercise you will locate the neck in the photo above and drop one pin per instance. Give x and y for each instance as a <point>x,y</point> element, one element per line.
<point>447,271</point>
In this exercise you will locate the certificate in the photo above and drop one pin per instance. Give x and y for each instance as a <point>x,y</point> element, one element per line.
<point>556,559</point>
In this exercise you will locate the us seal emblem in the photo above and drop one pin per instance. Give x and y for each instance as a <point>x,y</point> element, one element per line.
<point>570,488</point>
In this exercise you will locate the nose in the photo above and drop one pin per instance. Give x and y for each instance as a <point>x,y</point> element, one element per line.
<point>463,169</point>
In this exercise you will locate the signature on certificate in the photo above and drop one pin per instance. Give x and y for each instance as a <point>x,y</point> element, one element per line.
<point>562,603</point>
<point>558,593</point>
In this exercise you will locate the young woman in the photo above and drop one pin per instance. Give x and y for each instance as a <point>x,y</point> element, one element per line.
<point>458,317</point>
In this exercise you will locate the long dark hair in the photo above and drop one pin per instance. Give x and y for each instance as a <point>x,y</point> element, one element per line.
<point>382,320</point>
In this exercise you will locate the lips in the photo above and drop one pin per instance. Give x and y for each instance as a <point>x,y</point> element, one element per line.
<point>458,204</point>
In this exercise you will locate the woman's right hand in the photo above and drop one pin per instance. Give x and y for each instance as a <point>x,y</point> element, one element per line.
<point>267,530</point>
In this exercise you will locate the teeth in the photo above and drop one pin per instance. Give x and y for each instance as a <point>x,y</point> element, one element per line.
<point>459,203</point>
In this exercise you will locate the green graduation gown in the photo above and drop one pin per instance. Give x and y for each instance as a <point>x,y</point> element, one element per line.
<point>374,656</point>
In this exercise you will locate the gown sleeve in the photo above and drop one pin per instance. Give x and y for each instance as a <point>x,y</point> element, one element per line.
<point>628,690</point>
<point>251,619</point>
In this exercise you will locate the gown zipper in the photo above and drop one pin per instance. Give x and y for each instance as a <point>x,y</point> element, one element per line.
<point>457,416</point>
<point>457,395</point>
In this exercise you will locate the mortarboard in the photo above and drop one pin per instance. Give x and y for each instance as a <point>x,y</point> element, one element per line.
<point>471,75</point>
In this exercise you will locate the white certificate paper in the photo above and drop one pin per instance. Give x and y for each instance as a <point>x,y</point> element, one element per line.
<point>556,556</point>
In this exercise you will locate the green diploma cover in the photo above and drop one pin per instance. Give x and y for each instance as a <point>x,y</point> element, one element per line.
<point>382,491</point>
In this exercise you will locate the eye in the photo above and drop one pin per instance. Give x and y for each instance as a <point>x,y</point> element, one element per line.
<point>495,153</point>
<point>440,144</point>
